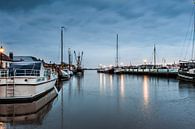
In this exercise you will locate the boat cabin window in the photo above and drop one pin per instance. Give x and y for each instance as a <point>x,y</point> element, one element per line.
<point>24,69</point>
<point>187,66</point>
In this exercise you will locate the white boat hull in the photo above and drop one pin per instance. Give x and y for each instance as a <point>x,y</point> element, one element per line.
<point>27,90</point>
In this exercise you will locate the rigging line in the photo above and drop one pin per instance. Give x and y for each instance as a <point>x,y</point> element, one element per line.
<point>185,44</point>
<point>189,45</point>
<point>188,33</point>
<point>193,33</point>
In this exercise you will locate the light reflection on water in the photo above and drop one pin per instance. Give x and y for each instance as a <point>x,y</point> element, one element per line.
<point>145,90</point>
<point>106,101</point>
<point>122,86</point>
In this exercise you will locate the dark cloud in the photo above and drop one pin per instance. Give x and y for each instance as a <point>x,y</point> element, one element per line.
<point>18,5</point>
<point>33,27</point>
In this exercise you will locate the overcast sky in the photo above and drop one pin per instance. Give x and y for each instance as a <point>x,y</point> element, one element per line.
<point>32,27</point>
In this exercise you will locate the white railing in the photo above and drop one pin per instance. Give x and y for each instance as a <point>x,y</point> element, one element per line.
<point>3,72</point>
<point>19,72</point>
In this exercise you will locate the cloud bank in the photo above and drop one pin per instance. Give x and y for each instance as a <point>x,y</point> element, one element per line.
<point>33,28</point>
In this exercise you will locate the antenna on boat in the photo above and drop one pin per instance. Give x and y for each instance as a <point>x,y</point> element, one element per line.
<point>117,50</point>
<point>193,30</point>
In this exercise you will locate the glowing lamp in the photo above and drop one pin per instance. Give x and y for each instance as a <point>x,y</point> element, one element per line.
<point>1,49</point>
<point>145,61</point>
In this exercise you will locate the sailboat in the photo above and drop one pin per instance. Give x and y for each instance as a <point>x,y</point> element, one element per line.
<point>63,74</point>
<point>117,69</point>
<point>111,69</point>
<point>187,68</point>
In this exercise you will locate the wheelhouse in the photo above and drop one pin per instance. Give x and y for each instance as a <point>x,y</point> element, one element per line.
<point>187,65</point>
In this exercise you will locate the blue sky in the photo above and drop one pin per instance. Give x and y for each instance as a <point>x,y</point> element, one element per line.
<point>32,27</point>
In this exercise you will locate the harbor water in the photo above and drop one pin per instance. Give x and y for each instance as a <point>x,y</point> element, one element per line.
<point>104,101</point>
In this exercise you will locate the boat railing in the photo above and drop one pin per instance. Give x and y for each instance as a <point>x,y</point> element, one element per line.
<point>3,72</point>
<point>26,72</point>
<point>19,72</point>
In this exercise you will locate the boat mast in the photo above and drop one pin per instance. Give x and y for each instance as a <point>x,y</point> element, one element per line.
<point>154,56</point>
<point>117,50</point>
<point>62,44</point>
<point>193,30</point>
<point>69,58</point>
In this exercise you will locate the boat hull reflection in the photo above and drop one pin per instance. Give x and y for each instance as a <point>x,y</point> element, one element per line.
<point>27,112</point>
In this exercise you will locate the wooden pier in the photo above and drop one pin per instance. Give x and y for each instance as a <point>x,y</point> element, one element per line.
<point>151,72</point>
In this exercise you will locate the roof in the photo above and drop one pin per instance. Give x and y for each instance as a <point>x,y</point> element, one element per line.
<point>186,62</point>
<point>25,58</point>
<point>5,57</point>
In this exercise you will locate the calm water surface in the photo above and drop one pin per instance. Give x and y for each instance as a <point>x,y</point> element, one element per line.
<point>102,101</point>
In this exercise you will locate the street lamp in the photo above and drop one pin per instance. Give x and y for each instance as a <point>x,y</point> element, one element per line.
<point>1,52</point>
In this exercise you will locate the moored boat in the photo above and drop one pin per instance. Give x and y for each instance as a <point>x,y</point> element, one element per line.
<point>64,75</point>
<point>78,70</point>
<point>187,71</point>
<point>26,80</point>
<point>68,71</point>
<point>109,70</point>
<point>187,68</point>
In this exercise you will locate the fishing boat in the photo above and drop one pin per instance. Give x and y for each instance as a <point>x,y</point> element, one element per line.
<point>187,68</point>
<point>78,70</point>
<point>26,80</point>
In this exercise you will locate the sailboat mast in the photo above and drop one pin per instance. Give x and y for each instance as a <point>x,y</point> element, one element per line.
<point>193,30</point>
<point>117,50</point>
<point>154,56</point>
<point>69,58</point>
<point>62,44</point>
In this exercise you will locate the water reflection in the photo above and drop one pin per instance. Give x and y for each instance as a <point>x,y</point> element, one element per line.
<point>122,86</point>
<point>12,115</point>
<point>186,88</point>
<point>102,84</point>
<point>106,84</point>
<point>111,83</point>
<point>79,83</point>
<point>62,107</point>
<point>145,90</point>
<point>119,101</point>
<point>78,80</point>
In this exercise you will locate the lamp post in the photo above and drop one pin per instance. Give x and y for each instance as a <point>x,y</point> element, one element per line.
<point>1,52</point>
